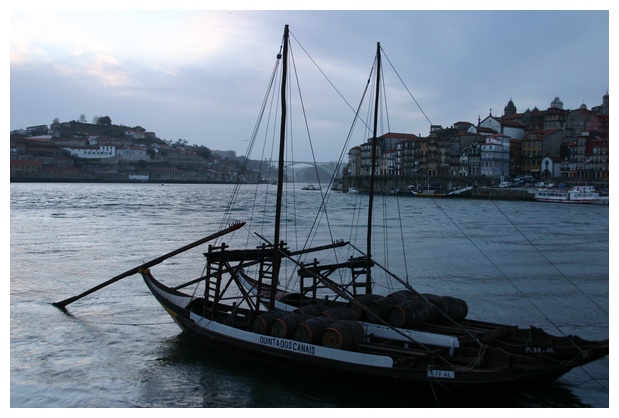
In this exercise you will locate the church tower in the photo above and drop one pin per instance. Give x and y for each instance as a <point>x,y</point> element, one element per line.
<point>556,103</point>
<point>510,109</point>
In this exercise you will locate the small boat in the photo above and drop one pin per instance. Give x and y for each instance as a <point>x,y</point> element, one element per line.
<point>418,191</point>
<point>353,190</point>
<point>335,325</point>
<point>427,191</point>
<point>460,192</point>
<point>310,187</point>
<point>575,195</point>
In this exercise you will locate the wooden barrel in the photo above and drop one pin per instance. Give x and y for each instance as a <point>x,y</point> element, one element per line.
<point>438,305</point>
<point>311,310</point>
<point>455,308</point>
<point>403,294</point>
<point>262,324</point>
<point>340,313</point>
<point>343,335</point>
<point>310,331</point>
<point>284,327</point>
<point>410,314</point>
<point>380,308</point>
<point>362,300</point>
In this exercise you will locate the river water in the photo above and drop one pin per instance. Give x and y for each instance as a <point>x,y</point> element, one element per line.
<point>524,263</point>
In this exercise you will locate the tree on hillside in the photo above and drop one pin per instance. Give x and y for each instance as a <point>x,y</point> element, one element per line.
<point>105,120</point>
<point>83,118</point>
<point>203,152</point>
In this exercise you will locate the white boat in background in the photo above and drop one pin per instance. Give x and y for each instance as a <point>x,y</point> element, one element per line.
<point>577,194</point>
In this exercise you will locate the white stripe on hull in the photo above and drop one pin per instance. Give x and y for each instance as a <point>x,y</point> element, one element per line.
<point>292,346</point>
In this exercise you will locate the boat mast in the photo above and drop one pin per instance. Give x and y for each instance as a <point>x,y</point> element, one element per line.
<point>368,280</point>
<point>280,172</point>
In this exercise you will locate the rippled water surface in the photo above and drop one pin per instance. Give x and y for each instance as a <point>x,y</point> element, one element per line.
<point>524,263</point>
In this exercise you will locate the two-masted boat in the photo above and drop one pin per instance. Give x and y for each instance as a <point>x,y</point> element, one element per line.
<point>335,324</point>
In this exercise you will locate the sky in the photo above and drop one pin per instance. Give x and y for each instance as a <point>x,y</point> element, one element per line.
<point>201,75</point>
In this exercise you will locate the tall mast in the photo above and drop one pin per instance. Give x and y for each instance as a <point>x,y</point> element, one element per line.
<point>368,280</point>
<point>280,173</point>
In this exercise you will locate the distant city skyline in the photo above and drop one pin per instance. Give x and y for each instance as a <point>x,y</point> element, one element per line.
<point>200,75</point>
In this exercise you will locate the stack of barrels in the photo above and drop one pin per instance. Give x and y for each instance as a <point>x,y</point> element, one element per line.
<point>314,324</point>
<point>340,327</point>
<point>407,309</point>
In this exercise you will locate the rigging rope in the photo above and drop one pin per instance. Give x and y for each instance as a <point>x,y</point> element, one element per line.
<point>547,260</point>
<point>410,94</point>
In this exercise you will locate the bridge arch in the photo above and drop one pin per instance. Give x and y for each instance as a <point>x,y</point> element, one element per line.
<point>328,168</point>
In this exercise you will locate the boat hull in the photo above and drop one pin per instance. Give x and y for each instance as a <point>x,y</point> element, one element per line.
<point>532,341</point>
<point>358,366</point>
<point>564,200</point>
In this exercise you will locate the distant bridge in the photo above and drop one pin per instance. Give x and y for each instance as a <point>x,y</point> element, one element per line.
<point>328,168</point>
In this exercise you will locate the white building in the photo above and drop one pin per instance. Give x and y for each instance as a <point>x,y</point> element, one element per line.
<point>133,153</point>
<point>504,125</point>
<point>491,122</point>
<point>102,151</point>
<point>494,156</point>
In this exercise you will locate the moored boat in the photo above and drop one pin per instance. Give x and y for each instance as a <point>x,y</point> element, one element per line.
<point>429,192</point>
<point>347,350</point>
<point>576,194</point>
<point>425,192</point>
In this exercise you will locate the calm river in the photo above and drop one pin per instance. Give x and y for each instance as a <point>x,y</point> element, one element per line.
<point>524,263</point>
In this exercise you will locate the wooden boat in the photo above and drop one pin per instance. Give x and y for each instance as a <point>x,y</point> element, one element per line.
<point>574,195</point>
<point>429,192</point>
<point>334,326</point>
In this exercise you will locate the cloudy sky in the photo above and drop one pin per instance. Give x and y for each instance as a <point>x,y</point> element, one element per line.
<point>201,75</point>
